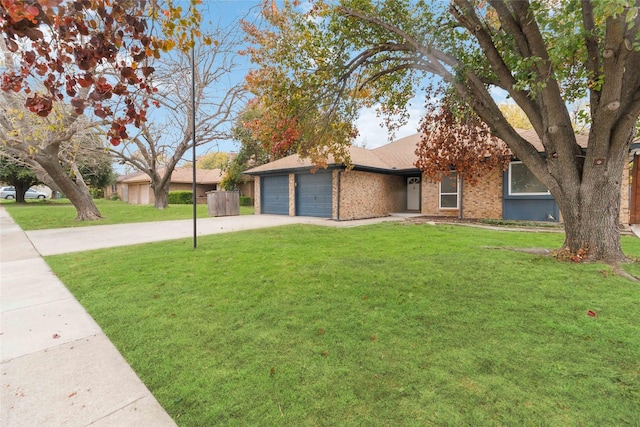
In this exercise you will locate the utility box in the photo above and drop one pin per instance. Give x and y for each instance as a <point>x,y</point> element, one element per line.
<point>223,203</point>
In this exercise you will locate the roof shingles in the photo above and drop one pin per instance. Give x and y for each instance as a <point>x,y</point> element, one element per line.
<point>397,155</point>
<point>182,176</point>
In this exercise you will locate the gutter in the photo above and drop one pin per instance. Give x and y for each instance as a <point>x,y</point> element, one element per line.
<point>392,171</point>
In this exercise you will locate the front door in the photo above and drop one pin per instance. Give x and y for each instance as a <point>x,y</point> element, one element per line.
<point>413,193</point>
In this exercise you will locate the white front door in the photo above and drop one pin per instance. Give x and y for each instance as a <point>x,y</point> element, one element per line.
<point>413,193</point>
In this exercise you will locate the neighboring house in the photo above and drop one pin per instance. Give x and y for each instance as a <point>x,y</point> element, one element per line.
<point>139,183</point>
<point>119,190</point>
<point>136,188</point>
<point>385,180</point>
<point>247,187</point>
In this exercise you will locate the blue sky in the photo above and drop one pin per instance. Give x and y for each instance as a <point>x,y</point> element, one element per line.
<point>371,133</point>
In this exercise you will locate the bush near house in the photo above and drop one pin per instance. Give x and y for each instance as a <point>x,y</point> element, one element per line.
<point>180,197</point>
<point>246,201</point>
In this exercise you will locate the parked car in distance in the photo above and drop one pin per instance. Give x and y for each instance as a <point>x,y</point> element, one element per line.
<point>9,193</point>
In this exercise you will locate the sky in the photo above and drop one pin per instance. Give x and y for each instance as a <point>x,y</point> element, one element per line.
<point>372,135</point>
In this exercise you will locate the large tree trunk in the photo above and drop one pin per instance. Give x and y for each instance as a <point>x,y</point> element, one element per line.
<point>162,198</point>
<point>46,179</point>
<point>593,227</point>
<point>78,195</point>
<point>20,190</point>
<point>591,211</point>
<point>160,185</point>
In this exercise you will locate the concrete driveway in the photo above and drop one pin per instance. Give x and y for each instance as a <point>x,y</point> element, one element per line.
<point>65,240</point>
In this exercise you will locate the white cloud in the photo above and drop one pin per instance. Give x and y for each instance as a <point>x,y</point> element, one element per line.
<point>373,133</point>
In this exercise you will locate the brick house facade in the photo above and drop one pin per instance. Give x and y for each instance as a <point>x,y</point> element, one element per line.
<point>378,185</point>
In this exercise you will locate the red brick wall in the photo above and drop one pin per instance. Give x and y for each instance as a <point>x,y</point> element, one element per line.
<point>482,200</point>
<point>369,195</point>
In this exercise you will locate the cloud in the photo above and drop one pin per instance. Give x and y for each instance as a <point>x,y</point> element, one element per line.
<point>373,133</point>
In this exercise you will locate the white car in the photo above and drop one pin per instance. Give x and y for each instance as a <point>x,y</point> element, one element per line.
<point>9,193</point>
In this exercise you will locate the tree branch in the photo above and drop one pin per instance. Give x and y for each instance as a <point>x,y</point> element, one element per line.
<point>471,22</point>
<point>593,51</point>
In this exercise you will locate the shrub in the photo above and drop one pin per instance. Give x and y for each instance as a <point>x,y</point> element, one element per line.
<point>96,193</point>
<point>180,197</point>
<point>246,201</point>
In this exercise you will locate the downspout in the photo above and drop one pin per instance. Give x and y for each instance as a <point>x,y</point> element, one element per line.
<point>461,195</point>
<point>338,198</point>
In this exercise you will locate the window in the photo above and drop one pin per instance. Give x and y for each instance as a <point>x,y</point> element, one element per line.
<point>523,182</point>
<point>449,192</point>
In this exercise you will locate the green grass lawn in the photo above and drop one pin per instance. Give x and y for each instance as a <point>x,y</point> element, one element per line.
<point>38,215</point>
<point>383,325</point>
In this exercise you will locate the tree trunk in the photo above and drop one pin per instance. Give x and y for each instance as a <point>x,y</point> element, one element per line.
<point>160,184</point>
<point>162,197</point>
<point>78,195</point>
<point>20,190</point>
<point>592,216</point>
<point>593,229</point>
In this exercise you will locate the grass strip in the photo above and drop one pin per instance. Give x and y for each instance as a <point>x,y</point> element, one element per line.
<point>39,215</point>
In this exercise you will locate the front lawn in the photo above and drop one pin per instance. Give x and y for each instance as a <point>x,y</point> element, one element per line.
<point>38,215</point>
<point>383,325</point>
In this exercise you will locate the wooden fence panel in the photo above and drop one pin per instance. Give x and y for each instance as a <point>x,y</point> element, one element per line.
<point>223,203</point>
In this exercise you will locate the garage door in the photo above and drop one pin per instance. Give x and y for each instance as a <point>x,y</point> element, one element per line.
<point>313,194</point>
<point>144,194</point>
<point>134,194</point>
<point>275,194</point>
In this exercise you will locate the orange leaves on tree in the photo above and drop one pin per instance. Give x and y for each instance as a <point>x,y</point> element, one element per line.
<point>461,143</point>
<point>278,135</point>
<point>285,135</point>
<point>297,112</point>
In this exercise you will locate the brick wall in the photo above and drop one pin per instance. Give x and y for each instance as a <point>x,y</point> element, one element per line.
<point>292,194</point>
<point>481,200</point>
<point>368,195</point>
<point>624,197</point>
<point>256,194</point>
<point>431,200</point>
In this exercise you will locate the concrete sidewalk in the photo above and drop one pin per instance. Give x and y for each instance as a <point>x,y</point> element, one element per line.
<point>57,366</point>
